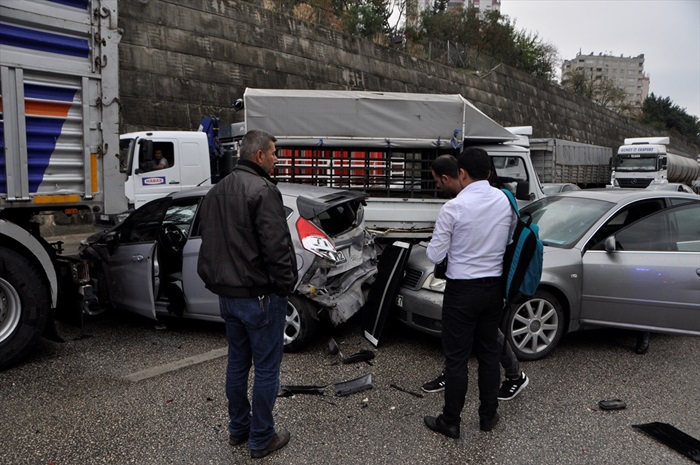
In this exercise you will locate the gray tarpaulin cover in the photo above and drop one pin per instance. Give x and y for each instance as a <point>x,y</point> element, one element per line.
<point>368,119</point>
<point>571,153</point>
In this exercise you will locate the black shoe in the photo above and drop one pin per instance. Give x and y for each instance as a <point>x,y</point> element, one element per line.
<point>642,345</point>
<point>279,440</point>
<point>237,440</point>
<point>436,385</point>
<point>512,387</point>
<point>439,426</point>
<point>487,424</point>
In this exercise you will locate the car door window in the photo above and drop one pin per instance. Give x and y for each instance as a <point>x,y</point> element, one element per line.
<point>144,224</point>
<point>624,217</point>
<point>674,229</point>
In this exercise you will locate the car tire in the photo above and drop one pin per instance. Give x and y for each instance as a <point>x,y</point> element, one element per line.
<point>24,307</point>
<point>535,326</point>
<point>301,323</point>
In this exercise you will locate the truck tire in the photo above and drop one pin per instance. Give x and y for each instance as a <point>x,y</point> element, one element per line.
<point>301,324</point>
<point>24,305</point>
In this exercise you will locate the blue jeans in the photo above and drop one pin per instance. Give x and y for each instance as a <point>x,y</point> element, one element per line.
<point>254,330</point>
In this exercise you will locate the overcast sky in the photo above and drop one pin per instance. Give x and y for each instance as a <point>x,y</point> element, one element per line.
<point>667,32</point>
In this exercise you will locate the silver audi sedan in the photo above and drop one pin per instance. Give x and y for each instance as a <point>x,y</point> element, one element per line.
<point>621,258</point>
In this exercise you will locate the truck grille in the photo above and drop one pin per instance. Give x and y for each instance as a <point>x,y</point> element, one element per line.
<point>634,182</point>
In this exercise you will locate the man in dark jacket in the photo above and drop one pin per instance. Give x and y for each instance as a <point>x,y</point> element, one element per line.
<point>247,258</point>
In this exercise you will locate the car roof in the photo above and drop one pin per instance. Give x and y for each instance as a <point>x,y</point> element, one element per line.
<point>623,195</point>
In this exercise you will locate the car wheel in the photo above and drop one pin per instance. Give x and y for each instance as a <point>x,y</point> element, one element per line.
<point>301,323</point>
<point>535,326</point>
<point>24,306</point>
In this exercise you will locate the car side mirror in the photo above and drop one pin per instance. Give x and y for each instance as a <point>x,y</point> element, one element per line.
<point>610,244</point>
<point>522,191</point>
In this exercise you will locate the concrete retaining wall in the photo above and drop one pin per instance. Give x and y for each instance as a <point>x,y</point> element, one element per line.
<point>181,60</point>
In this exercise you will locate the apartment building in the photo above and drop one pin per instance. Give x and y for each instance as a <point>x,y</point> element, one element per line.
<point>482,6</point>
<point>627,73</point>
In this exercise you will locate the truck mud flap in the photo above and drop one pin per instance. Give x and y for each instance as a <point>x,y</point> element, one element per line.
<point>381,296</point>
<point>673,438</point>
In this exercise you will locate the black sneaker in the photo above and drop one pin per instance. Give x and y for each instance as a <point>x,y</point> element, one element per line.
<point>512,387</point>
<point>436,385</point>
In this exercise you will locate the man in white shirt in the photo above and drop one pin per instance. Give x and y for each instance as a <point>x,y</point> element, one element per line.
<point>445,172</point>
<point>473,229</point>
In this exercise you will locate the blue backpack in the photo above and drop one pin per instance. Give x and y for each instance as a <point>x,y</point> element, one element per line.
<point>522,262</point>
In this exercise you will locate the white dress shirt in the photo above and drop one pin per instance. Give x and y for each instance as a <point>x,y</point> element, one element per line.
<point>473,230</point>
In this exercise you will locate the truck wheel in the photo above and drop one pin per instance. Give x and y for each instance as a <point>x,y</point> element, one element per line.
<point>301,324</point>
<point>24,305</point>
<point>535,326</point>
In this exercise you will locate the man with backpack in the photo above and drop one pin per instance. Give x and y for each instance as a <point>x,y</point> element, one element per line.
<point>473,230</point>
<point>445,172</point>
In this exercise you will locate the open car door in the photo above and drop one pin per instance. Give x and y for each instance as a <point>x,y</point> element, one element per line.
<point>134,273</point>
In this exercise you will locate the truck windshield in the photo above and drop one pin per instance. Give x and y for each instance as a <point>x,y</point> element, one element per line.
<point>625,163</point>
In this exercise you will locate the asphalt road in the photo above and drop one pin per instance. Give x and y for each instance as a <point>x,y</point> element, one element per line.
<point>105,397</point>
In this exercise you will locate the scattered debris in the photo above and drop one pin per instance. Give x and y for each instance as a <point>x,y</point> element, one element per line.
<point>399,388</point>
<point>361,356</point>
<point>673,438</point>
<point>613,404</point>
<point>343,388</point>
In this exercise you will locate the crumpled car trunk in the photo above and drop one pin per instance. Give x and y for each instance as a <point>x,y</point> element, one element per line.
<point>339,288</point>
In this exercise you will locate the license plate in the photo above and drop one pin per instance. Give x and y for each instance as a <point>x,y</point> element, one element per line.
<point>104,217</point>
<point>399,300</point>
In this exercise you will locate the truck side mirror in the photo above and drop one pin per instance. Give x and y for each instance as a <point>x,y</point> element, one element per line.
<point>522,190</point>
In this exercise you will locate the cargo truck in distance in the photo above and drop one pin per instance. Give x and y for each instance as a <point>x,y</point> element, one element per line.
<point>382,143</point>
<point>646,160</point>
<point>59,140</point>
<point>563,161</point>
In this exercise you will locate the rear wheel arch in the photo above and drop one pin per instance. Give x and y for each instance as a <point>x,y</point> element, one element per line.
<point>301,324</point>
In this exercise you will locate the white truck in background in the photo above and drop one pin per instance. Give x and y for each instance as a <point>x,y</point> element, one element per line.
<point>59,80</point>
<point>382,143</point>
<point>646,160</point>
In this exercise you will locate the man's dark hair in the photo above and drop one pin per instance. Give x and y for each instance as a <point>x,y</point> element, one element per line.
<point>476,162</point>
<point>253,141</point>
<point>446,165</point>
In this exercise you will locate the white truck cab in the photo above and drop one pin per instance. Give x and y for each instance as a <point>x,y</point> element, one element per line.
<point>187,155</point>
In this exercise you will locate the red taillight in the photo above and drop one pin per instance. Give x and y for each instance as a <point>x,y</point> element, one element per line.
<point>316,241</point>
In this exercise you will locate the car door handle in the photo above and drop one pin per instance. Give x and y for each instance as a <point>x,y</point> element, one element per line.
<point>174,182</point>
<point>137,258</point>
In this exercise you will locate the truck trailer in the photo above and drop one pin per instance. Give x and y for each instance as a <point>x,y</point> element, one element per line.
<point>645,160</point>
<point>59,140</point>
<point>562,161</point>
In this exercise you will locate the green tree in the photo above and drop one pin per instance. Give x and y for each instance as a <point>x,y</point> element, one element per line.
<point>662,113</point>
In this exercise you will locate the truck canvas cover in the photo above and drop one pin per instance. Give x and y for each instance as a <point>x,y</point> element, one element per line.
<point>320,118</point>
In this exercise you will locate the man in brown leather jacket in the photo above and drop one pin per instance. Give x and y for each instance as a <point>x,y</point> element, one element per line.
<point>247,258</point>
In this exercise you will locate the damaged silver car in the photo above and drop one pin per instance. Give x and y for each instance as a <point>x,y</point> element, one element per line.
<point>148,263</point>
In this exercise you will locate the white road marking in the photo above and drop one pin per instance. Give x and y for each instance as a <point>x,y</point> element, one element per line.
<point>176,365</point>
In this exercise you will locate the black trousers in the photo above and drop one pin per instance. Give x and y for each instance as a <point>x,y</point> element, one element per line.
<point>471,312</point>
